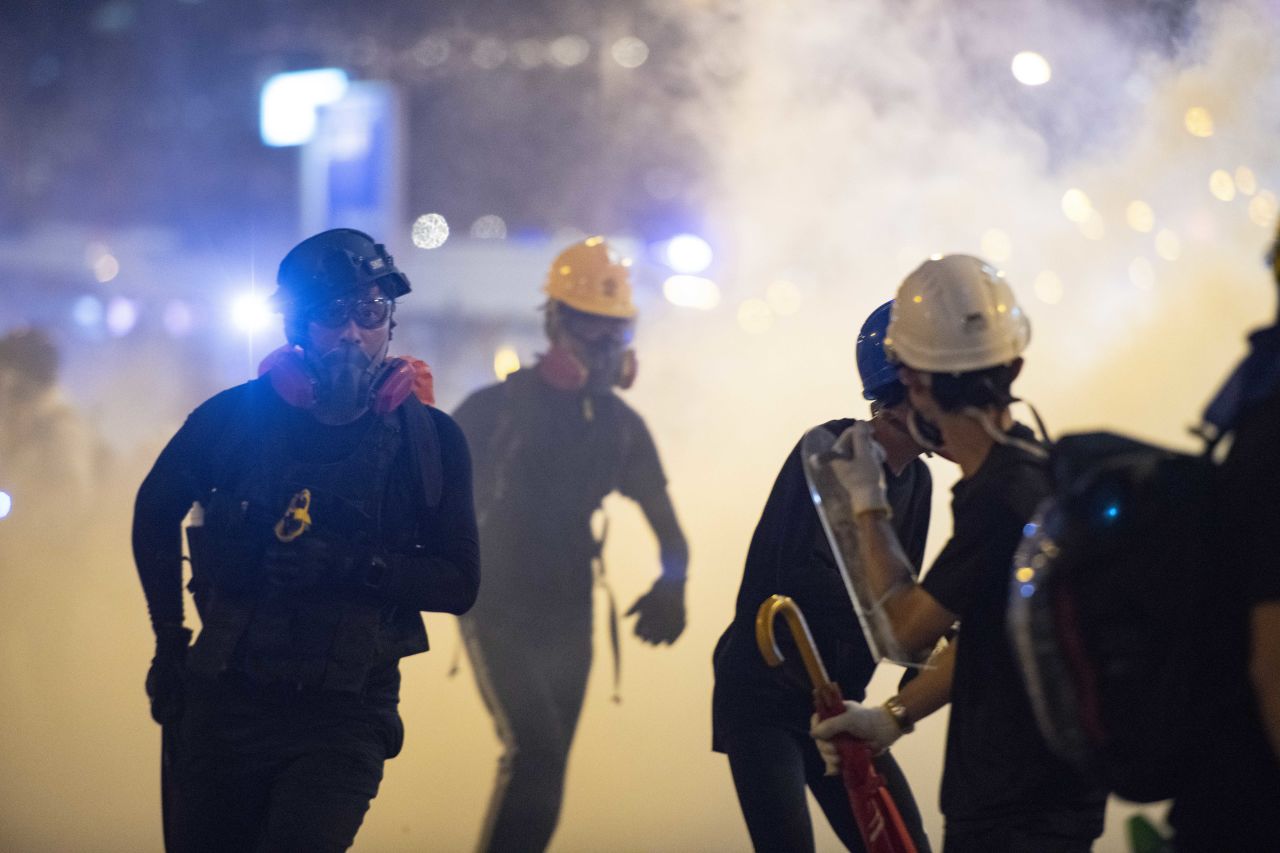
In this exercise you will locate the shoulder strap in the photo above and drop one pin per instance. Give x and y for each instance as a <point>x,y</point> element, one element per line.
<point>422,442</point>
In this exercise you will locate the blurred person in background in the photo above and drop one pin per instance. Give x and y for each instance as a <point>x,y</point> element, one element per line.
<point>550,443</point>
<point>48,456</point>
<point>760,714</point>
<point>957,334</point>
<point>1230,799</point>
<point>331,508</point>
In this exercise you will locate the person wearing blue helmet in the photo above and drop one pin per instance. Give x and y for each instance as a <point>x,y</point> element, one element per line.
<point>760,715</point>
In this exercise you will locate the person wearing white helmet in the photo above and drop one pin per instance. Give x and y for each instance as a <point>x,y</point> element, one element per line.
<point>958,334</point>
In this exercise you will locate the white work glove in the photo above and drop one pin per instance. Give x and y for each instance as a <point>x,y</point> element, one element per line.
<point>872,724</point>
<point>859,466</point>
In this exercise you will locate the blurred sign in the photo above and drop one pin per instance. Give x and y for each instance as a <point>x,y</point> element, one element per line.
<point>352,168</point>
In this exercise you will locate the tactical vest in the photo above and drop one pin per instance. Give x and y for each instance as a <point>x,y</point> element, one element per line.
<point>329,635</point>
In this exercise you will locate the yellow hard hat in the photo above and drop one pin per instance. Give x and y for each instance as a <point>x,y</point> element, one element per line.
<point>591,277</point>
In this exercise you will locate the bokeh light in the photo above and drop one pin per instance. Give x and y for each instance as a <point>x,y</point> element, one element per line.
<point>430,230</point>
<point>87,311</point>
<point>6,504</point>
<point>489,227</point>
<point>629,52</point>
<point>1030,68</point>
<point>1076,205</point>
<point>1198,122</point>
<point>783,297</point>
<point>569,51</point>
<point>506,361</point>
<point>688,253</point>
<point>122,316</point>
<point>1140,216</point>
<point>1221,185</point>
<point>106,268</point>
<point>691,291</point>
<point>1262,209</point>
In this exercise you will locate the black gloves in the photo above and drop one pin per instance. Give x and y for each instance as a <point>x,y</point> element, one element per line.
<point>164,679</point>
<point>660,612</point>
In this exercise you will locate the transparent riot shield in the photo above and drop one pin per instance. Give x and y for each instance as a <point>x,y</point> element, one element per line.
<point>832,503</point>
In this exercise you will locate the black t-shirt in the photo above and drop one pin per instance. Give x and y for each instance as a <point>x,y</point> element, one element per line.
<point>790,555</point>
<point>544,461</point>
<point>998,767</point>
<point>1232,800</point>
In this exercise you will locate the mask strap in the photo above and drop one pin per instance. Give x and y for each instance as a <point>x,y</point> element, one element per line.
<point>1000,437</point>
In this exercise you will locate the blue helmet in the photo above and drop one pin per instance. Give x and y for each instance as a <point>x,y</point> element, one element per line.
<point>878,375</point>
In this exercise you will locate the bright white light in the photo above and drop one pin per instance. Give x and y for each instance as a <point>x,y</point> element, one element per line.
<point>1030,68</point>
<point>287,108</point>
<point>506,361</point>
<point>691,291</point>
<point>250,312</point>
<point>87,311</point>
<point>569,50</point>
<point>6,504</point>
<point>688,253</point>
<point>122,316</point>
<point>430,230</point>
<point>629,52</point>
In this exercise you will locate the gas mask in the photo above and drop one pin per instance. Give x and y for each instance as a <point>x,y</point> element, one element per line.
<point>343,379</point>
<point>588,352</point>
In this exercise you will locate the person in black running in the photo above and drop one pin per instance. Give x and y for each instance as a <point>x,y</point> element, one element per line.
<point>550,443</point>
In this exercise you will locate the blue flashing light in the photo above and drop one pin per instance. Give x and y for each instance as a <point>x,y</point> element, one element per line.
<point>288,104</point>
<point>1027,590</point>
<point>1111,512</point>
<point>1029,529</point>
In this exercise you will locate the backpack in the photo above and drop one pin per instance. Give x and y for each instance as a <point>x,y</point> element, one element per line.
<point>1103,607</point>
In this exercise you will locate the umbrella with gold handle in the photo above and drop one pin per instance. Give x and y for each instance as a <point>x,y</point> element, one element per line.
<point>873,808</point>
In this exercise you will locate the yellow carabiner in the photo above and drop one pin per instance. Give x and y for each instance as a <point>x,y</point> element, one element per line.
<point>296,519</point>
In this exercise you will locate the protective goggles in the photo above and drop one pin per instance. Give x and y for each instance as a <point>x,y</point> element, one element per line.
<point>594,330</point>
<point>369,312</point>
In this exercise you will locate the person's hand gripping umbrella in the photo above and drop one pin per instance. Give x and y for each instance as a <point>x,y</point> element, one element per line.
<point>873,808</point>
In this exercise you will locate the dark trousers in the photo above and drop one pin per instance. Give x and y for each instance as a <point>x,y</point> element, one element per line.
<point>263,770</point>
<point>773,765</point>
<point>533,681</point>
<point>1013,839</point>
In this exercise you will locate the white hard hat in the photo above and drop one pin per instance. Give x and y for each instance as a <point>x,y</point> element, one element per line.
<point>956,314</point>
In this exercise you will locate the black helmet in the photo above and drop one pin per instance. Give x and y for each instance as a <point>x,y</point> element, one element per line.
<point>29,351</point>
<point>332,264</point>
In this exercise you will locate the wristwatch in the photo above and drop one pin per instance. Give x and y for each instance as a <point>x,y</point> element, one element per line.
<point>899,713</point>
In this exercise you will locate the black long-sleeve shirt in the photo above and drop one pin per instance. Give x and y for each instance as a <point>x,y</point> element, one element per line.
<point>438,571</point>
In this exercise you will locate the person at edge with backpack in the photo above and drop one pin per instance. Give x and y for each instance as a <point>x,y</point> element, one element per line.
<point>331,508</point>
<point>760,715</point>
<point>957,334</point>
<point>1230,798</point>
<point>550,443</point>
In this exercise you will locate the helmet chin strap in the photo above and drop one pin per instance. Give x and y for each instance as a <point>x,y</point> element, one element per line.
<point>999,436</point>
